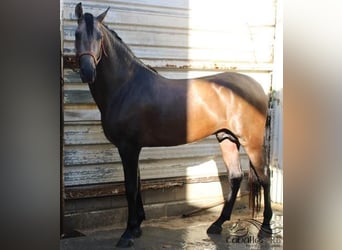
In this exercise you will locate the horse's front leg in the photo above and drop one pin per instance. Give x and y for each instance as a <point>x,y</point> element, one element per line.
<point>130,155</point>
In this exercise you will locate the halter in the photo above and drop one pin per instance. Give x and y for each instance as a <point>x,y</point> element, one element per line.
<point>90,53</point>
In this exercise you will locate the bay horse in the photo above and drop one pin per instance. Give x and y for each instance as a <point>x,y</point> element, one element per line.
<point>140,108</point>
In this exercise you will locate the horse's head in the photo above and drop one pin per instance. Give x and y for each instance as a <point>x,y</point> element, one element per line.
<point>88,42</point>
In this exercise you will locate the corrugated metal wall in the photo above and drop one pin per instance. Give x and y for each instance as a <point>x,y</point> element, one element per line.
<point>181,39</point>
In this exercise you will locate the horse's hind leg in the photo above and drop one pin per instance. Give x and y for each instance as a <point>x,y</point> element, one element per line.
<point>230,152</point>
<point>260,176</point>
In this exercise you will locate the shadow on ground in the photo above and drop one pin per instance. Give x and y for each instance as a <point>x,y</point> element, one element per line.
<point>189,233</point>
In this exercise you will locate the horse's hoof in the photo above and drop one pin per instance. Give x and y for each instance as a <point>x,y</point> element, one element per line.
<point>136,233</point>
<point>125,243</point>
<point>214,229</point>
<point>126,239</point>
<point>265,231</point>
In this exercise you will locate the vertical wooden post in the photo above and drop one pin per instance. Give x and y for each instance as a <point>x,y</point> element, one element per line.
<point>61,125</point>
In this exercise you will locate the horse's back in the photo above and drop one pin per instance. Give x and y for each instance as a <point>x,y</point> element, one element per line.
<point>243,86</point>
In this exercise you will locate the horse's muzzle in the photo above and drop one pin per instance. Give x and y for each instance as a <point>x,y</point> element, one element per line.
<point>87,71</point>
<point>88,76</point>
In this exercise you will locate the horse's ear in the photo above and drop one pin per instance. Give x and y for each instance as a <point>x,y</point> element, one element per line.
<point>102,16</point>
<point>79,11</point>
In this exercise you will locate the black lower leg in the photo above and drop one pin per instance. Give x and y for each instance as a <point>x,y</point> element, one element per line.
<point>140,206</point>
<point>133,229</point>
<point>267,205</point>
<point>216,227</point>
<point>129,156</point>
<point>266,230</point>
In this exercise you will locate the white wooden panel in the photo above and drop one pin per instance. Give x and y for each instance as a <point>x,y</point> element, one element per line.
<point>161,37</point>
<point>83,134</point>
<point>277,119</point>
<point>78,115</point>
<point>105,173</point>
<point>236,34</point>
<point>107,153</point>
<point>277,185</point>
<point>126,13</point>
<point>150,169</point>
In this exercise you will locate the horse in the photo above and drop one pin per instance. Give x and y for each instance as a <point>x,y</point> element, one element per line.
<point>140,108</point>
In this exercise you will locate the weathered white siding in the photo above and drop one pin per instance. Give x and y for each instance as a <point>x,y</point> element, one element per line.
<point>181,39</point>
<point>277,119</point>
<point>195,34</point>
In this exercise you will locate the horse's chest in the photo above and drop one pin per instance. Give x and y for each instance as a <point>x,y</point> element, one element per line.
<point>111,129</point>
<point>116,128</point>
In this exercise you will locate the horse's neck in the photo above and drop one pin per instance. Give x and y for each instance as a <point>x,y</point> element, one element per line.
<point>117,67</point>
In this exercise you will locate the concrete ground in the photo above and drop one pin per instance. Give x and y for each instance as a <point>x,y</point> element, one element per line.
<point>189,233</point>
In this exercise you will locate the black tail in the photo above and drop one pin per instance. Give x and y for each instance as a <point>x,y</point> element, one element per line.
<point>254,191</point>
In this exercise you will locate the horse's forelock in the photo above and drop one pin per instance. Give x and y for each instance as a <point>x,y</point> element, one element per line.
<point>89,20</point>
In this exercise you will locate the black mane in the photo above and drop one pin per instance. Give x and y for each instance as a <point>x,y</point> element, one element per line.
<point>125,47</point>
